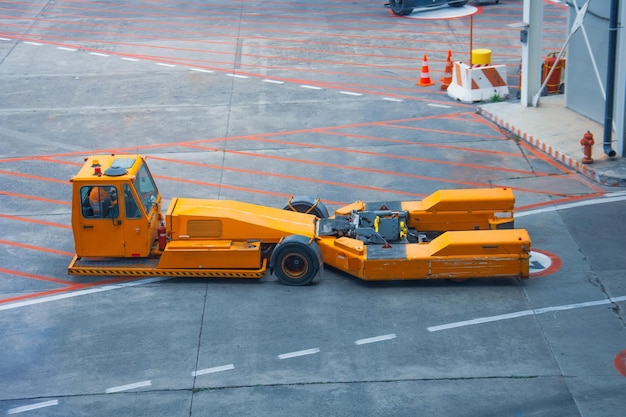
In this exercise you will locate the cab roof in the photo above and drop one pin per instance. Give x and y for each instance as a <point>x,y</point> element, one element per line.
<point>108,167</point>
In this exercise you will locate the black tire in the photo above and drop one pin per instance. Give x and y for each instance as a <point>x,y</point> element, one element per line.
<point>401,7</point>
<point>296,261</point>
<point>458,3</point>
<point>306,204</point>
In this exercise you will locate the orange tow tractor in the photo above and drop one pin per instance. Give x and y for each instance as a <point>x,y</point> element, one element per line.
<point>119,229</point>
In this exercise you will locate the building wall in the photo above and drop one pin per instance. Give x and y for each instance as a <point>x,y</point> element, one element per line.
<point>582,88</point>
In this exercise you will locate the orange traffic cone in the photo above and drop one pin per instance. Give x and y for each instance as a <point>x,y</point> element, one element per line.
<point>425,80</point>
<point>447,77</point>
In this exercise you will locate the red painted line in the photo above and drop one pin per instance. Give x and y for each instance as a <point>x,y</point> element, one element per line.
<point>33,177</point>
<point>555,264</point>
<point>620,362</point>
<point>72,287</point>
<point>568,199</point>
<point>36,198</point>
<point>30,220</point>
<point>33,276</point>
<point>37,248</point>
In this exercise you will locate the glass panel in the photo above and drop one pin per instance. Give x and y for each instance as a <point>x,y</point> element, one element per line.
<point>146,188</point>
<point>99,201</point>
<point>131,208</point>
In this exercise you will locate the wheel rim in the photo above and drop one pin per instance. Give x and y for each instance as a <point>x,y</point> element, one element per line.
<point>295,266</point>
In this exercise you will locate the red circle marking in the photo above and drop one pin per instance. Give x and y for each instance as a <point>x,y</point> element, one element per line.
<point>555,264</point>
<point>620,362</point>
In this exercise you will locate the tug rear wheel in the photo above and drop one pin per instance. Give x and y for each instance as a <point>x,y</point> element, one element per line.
<point>296,261</point>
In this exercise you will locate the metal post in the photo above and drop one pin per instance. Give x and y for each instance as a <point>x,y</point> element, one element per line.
<point>531,50</point>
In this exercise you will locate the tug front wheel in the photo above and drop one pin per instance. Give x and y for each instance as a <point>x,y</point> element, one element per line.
<point>296,260</point>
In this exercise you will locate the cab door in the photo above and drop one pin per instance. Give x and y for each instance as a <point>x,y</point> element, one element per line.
<point>139,225</point>
<point>98,227</point>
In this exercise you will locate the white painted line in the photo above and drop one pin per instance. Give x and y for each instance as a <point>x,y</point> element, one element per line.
<point>63,48</point>
<point>130,59</point>
<point>310,87</point>
<point>31,407</point>
<point>201,70</point>
<point>237,75</point>
<point>375,339</point>
<point>350,93</point>
<point>441,106</point>
<point>165,65</point>
<point>33,43</point>
<point>299,353</point>
<point>273,81</point>
<point>128,387</point>
<point>5,39</point>
<point>79,293</point>
<point>213,370</point>
<point>525,313</point>
<point>98,54</point>
<point>393,99</point>
<point>609,198</point>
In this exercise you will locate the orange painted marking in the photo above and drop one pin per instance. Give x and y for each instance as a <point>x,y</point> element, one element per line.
<point>37,248</point>
<point>33,276</point>
<point>32,197</point>
<point>620,362</point>
<point>555,264</point>
<point>41,222</point>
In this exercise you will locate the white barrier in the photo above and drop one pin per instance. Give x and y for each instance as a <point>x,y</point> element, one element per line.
<point>485,83</point>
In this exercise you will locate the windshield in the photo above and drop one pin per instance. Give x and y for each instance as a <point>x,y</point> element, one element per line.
<point>146,188</point>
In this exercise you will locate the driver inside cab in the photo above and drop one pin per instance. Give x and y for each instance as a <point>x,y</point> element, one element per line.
<point>102,200</point>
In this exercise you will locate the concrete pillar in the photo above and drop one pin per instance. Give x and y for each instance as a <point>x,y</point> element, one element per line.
<point>531,50</point>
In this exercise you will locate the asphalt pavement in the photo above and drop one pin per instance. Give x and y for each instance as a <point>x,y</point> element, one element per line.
<point>257,102</point>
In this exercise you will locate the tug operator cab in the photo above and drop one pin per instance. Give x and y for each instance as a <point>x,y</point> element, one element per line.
<point>116,208</point>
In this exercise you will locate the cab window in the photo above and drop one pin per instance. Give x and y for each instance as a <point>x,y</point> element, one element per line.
<point>131,208</point>
<point>99,201</point>
<point>146,188</point>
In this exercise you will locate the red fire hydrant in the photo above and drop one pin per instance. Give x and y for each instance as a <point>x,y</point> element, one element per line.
<point>587,142</point>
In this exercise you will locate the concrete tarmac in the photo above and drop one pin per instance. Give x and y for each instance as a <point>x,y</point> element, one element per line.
<point>257,102</point>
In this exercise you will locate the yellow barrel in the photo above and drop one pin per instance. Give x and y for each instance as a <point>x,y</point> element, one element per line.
<point>481,56</point>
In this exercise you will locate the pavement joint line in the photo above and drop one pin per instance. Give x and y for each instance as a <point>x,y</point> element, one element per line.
<point>299,353</point>
<point>129,387</point>
<point>32,407</point>
<point>375,339</point>
<point>213,370</point>
<point>523,313</point>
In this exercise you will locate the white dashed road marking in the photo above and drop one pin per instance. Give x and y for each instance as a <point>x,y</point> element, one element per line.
<point>523,313</point>
<point>213,370</point>
<point>375,339</point>
<point>129,387</point>
<point>299,353</point>
<point>31,407</point>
